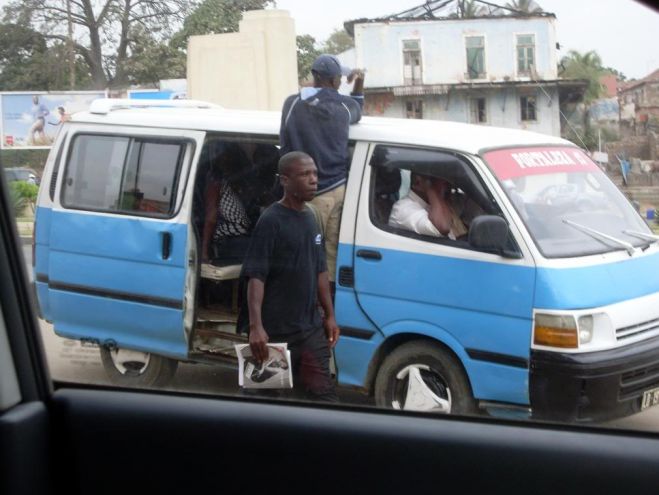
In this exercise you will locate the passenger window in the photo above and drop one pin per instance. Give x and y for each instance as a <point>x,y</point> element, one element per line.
<point>407,182</point>
<point>150,177</point>
<point>123,174</point>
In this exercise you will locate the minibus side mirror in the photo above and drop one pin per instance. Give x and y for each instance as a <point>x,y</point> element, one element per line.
<point>490,233</point>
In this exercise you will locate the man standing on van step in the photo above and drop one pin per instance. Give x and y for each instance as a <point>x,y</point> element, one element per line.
<point>287,277</point>
<point>317,121</point>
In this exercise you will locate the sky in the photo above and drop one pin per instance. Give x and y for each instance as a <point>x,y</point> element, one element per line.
<point>623,32</point>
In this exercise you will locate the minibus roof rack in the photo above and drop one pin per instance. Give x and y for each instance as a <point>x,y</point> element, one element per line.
<point>103,106</point>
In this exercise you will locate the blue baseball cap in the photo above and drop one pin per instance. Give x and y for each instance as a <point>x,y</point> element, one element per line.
<point>329,66</point>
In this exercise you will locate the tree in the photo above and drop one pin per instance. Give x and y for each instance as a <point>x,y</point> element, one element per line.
<point>152,60</point>
<point>306,54</point>
<point>525,6</point>
<point>27,62</point>
<point>338,42</point>
<point>215,17</point>
<point>101,27</point>
<point>467,9</point>
<point>22,55</point>
<point>619,75</point>
<point>576,65</point>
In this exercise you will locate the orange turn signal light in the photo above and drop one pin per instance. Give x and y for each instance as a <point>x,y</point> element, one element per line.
<point>555,331</point>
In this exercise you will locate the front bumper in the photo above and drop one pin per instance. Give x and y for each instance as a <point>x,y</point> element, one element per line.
<point>593,386</point>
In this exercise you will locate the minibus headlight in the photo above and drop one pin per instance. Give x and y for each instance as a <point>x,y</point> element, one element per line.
<point>555,331</point>
<point>586,326</point>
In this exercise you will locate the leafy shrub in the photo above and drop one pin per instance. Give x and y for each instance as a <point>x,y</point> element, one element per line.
<point>22,194</point>
<point>26,190</point>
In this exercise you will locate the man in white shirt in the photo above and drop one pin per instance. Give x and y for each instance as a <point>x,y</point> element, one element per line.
<point>427,210</point>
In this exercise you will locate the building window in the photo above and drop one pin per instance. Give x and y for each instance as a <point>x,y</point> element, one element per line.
<point>414,109</point>
<point>478,110</point>
<point>412,62</point>
<point>475,57</point>
<point>527,106</point>
<point>525,54</point>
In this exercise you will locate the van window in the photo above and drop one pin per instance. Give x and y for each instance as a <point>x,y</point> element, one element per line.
<point>394,172</point>
<point>122,174</point>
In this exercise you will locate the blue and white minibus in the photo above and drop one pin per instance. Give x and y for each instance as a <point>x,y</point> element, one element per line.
<point>548,306</point>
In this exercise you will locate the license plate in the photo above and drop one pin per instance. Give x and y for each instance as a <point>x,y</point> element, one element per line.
<point>650,398</point>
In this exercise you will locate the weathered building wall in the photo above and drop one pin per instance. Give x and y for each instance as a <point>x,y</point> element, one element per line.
<point>379,49</point>
<point>502,108</point>
<point>631,147</point>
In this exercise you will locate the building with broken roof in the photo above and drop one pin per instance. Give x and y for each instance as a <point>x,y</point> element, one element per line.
<point>641,97</point>
<point>493,65</point>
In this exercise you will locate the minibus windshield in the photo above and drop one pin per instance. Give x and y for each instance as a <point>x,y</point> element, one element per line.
<point>568,204</point>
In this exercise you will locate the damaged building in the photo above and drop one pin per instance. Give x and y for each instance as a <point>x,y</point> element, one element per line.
<point>640,98</point>
<point>492,65</point>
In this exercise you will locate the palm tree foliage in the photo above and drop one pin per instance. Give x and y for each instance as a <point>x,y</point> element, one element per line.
<point>588,66</point>
<point>526,6</point>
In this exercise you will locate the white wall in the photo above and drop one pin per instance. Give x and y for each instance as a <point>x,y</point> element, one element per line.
<point>379,48</point>
<point>254,69</point>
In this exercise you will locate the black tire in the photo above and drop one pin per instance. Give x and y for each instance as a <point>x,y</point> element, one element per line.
<point>150,370</point>
<point>441,373</point>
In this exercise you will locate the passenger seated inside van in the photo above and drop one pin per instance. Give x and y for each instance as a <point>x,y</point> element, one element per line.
<point>226,223</point>
<point>235,182</point>
<point>255,183</point>
<point>427,209</point>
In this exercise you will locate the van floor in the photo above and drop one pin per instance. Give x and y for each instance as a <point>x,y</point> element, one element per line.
<point>215,332</point>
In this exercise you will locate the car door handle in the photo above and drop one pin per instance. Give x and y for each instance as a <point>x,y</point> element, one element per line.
<point>369,255</point>
<point>166,245</point>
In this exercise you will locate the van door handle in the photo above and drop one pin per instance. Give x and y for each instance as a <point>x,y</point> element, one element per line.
<point>369,255</point>
<point>166,245</point>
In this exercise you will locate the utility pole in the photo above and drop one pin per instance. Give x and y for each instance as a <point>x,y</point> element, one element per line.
<point>71,50</point>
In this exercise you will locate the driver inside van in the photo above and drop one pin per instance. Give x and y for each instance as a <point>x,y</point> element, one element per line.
<point>427,209</point>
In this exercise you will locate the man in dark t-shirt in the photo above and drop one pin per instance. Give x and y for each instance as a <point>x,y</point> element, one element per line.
<point>287,277</point>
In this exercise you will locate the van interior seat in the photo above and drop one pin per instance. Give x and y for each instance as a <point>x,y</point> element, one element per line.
<point>212,272</point>
<point>387,185</point>
<point>221,273</point>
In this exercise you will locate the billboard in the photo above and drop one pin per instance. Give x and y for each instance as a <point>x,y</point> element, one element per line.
<point>32,120</point>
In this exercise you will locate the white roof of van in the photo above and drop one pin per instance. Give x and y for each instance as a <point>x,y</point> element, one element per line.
<point>191,115</point>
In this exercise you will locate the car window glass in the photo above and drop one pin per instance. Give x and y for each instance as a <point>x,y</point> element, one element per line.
<point>138,262</point>
<point>117,173</point>
<point>94,170</point>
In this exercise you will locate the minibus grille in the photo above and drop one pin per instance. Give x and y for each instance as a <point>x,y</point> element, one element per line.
<point>635,382</point>
<point>637,330</point>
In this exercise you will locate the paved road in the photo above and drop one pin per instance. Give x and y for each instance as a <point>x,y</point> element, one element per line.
<point>68,360</point>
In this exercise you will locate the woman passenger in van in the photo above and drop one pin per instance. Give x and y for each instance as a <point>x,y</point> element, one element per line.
<point>226,222</point>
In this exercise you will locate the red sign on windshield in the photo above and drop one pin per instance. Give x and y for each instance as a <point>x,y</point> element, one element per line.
<point>519,162</point>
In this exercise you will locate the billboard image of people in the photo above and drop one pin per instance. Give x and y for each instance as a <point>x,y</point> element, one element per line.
<point>32,120</point>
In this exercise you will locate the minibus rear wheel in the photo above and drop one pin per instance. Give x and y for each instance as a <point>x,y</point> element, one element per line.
<point>129,368</point>
<point>422,376</point>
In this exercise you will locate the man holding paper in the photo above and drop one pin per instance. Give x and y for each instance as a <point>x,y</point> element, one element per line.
<point>287,276</point>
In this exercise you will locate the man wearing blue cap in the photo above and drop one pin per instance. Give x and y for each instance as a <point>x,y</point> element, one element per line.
<point>316,121</point>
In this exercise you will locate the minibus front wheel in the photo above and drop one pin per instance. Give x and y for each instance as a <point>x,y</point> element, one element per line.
<point>422,376</point>
<point>129,368</point>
